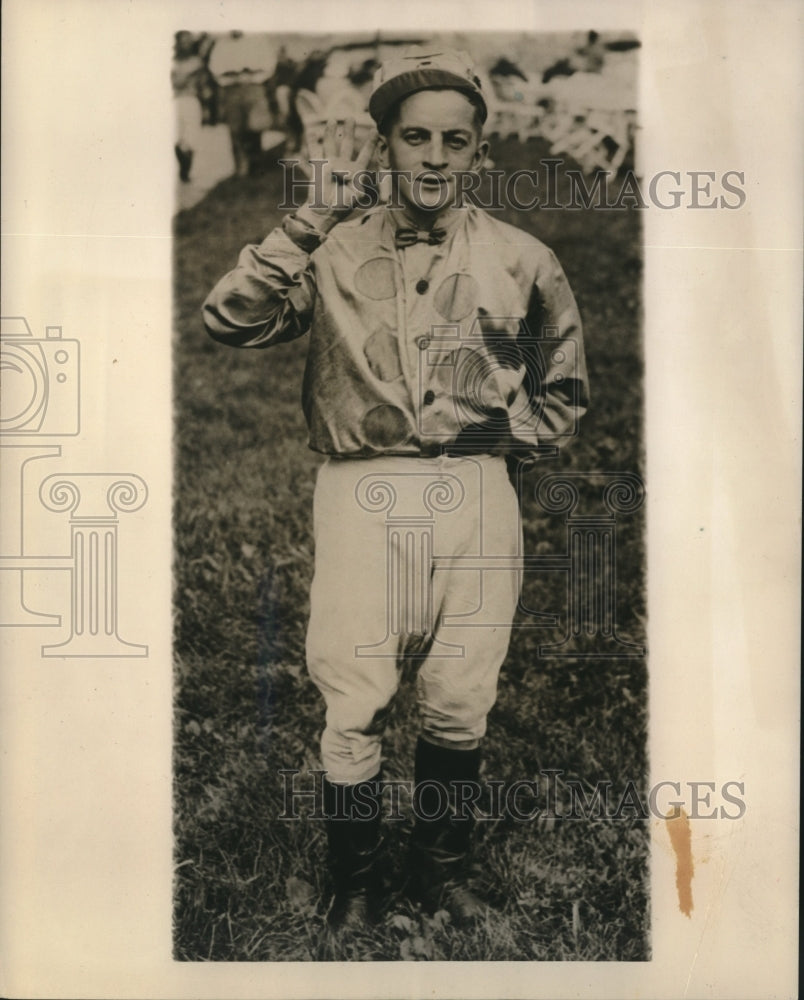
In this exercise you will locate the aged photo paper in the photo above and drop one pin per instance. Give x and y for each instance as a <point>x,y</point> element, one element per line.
<point>159,726</point>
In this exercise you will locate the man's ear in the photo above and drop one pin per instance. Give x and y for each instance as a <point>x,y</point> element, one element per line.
<point>481,153</point>
<point>381,152</point>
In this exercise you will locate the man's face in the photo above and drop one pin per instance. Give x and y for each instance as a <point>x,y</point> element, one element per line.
<point>184,44</point>
<point>434,137</point>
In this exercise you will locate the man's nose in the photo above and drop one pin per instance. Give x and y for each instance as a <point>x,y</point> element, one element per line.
<point>435,158</point>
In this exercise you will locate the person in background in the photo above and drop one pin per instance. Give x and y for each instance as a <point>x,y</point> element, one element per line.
<point>590,58</point>
<point>587,58</point>
<point>242,66</point>
<point>186,76</point>
<point>279,88</point>
<point>305,77</point>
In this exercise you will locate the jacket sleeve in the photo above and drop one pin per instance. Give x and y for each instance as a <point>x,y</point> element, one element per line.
<point>267,299</point>
<point>556,359</point>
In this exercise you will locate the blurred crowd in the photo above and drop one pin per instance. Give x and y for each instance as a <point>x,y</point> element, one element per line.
<point>277,91</point>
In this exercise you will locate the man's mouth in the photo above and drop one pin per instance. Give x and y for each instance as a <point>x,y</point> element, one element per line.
<point>432,181</point>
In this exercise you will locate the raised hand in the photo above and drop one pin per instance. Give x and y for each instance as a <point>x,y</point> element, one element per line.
<point>335,198</point>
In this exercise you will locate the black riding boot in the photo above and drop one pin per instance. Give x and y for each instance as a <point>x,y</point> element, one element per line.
<point>353,835</point>
<point>442,836</point>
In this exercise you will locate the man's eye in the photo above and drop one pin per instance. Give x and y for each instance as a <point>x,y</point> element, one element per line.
<point>414,138</point>
<point>457,142</point>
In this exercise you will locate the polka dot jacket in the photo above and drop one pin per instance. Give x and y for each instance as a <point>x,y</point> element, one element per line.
<point>470,346</point>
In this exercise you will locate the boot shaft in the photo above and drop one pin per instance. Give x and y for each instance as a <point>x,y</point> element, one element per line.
<point>444,781</point>
<point>353,837</point>
<point>442,836</point>
<point>353,828</point>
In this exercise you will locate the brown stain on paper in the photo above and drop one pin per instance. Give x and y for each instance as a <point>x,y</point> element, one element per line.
<point>678,826</point>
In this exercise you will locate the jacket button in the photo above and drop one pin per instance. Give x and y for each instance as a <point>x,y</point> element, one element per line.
<point>422,286</point>
<point>422,343</point>
<point>429,397</point>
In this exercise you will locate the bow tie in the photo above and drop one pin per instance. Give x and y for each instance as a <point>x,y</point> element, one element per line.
<point>407,237</point>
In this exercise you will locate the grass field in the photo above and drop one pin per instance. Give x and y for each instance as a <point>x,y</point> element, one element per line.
<point>251,887</point>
